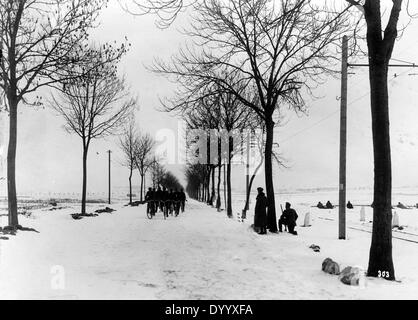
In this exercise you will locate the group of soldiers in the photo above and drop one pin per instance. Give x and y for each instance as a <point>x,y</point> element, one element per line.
<point>328,205</point>
<point>167,201</point>
<point>287,219</point>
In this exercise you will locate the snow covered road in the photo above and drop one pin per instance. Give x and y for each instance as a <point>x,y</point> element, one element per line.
<point>199,255</point>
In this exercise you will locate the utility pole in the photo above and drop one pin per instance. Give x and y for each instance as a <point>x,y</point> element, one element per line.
<point>225,186</point>
<point>343,132</point>
<point>109,152</point>
<point>343,142</point>
<point>247,176</point>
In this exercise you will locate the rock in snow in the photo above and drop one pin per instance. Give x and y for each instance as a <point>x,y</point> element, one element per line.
<point>315,248</point>
<point>330,266</point>
<point>352,276</point>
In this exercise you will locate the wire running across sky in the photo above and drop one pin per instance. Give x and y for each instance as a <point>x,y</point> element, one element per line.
<point>396,76</point>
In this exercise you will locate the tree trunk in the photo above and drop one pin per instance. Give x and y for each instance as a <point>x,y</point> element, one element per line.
<point>13,102</point>
<point>212,197</point>
<point>271,213</point>
<point>380,51</point>
<point>142,187</point>
<point>207,181</point>
<point>11,162</point>
<point>84,188</point>
<point>218,189</point>
<point>228,187</point>
<point>250,184</point>
<point>130,186</point>
<point>208,187</point>
<point>200,193</point>
<point>218,198</point>
<point>228,177</point>
<point>380,258</point>
<point>225,185</point>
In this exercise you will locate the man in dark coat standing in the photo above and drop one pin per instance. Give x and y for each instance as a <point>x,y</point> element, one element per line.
<point>260,214</point>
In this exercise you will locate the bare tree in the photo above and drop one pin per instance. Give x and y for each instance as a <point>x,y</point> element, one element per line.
<point>280,48</point>
<point>39,40</point>
<point>166,10</point>
<point>157,172</point>
<point>259,142</point>
<point>380,46</point>
<point>222,114</point>
<point>256,139</point>
<point>128,143</point>
<point>94,105</point>
<point>195,175</point>
<point>143,157</point>
<point>170,181</point>
<point>197,115</point>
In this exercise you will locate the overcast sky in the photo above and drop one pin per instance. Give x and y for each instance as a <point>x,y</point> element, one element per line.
<point>49,159</point>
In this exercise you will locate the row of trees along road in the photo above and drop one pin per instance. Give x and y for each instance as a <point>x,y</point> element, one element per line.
<point>279,50</point>
<point>40,41</point>
<point>219,112</point>
<point>266,49</point>
<point>137,149</point>
<point>139,154</point>
<point>279,47</point>
<point>44,43</point>
<point>226,122</point>
<point>95,104</point>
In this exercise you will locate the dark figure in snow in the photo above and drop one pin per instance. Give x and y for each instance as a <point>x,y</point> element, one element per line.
<point>148,199</point>
<point>329,205</point>
<point>177,202</point>
<point>401,206</point>
<point>158,196</point>
<point>349,205</point>
<point>154,200</point>
<point>173,198</point>
<point>282,222</point>
<point>260,214</point>
<point>163,200</point>
<point>289,217</point>
<point>182,198</point>
<point>169,201</point>
<point>148,195</point>
<point>320,205</point>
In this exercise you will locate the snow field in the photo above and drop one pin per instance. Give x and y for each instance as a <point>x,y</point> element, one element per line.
<point>199,255</point>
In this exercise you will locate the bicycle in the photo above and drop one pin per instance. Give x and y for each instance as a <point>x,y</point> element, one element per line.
<point>177,205</point>
<point>150,209</point>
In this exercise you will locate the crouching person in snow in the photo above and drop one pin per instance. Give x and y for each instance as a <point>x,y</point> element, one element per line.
<point>289,216</point>
<point>282,222</point>
<point>260,215</point>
